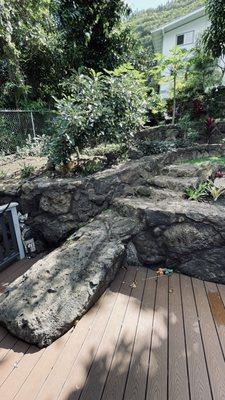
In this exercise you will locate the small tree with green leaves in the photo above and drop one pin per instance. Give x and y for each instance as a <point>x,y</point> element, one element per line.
<point>171,69</point>
<point>98,108</point>
<point>214,36</point>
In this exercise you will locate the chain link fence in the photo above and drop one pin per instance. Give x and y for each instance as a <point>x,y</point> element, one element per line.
<point>17,125</point>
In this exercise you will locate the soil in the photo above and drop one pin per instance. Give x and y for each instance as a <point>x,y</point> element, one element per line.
<point>11,166</point>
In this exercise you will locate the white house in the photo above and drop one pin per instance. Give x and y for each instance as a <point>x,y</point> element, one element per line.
<point>183,32</point>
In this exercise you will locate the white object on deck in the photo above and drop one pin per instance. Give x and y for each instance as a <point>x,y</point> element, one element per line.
<point>13,208</point>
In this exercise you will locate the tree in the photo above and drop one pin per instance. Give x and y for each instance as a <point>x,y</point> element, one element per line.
<point>93,33</point>
<point>214,36</point>
<point>42,42</point>
<point>203,73</point>
<point>26,34</point>
<point>98,108</point>
<point>171,68</point>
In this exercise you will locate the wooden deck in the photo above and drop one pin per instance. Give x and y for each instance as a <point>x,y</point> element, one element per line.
<point>145,339</point>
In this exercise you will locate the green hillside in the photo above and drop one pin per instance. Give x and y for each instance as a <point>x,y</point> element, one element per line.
<point>144,22</point>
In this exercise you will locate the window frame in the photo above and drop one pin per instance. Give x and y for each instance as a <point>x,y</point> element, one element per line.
<point>183,34</point>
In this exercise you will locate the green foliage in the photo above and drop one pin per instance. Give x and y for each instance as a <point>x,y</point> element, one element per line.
<point>213,160</point>
<point>2,174</point>
<point>33,147</point>
<point>204,190</point>
<point>215,35</point>
<point>171,68</point>
<point>202,74</point>
<point>43,41</point>
<point>104,149</point>
<point>100,108</point>
<point>9,140</point>
<point>144,22</point>
<point>157,147</point>
<point>199,192</point>
<point>91,167</point>
<point>26,171</point>
<point>93,33</point>
<point>216,192</point>
<point>156,103</point>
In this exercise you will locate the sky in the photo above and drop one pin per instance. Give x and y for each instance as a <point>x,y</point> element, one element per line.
<point>143,4</point>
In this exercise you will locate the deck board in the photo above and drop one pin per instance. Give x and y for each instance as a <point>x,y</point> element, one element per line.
<point>138,373</point>
<point>145,339</point>
<point>198,374</point>
<point>217,310</point>
<point>116,379</point>
<point>157,374</point>
<point>213,351</point>
<point>178,375</point>
<point>99,370</point>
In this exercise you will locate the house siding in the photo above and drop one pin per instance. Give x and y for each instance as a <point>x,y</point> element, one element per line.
<point>198,25</point>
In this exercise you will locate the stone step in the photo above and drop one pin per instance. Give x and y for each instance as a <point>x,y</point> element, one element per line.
<point>191,170</point>
<point>172,209</point>
<point>173,183</point>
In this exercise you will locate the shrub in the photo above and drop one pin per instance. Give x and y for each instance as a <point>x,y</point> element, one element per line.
<point>99,108</point>
<point>33,147</point>
<point>9,140</point>
<point>26,171</point>
<point>157,146</point>
<point>112,152</point>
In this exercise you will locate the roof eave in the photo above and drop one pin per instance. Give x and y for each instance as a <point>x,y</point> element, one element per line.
<point>180,21</point>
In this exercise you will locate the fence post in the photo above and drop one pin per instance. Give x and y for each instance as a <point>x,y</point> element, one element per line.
<point>32,121</point>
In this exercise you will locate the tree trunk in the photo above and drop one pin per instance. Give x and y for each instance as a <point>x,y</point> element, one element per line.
<point>174,99</point>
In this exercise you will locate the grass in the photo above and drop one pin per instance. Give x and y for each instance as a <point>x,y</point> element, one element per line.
<point>213,160</point>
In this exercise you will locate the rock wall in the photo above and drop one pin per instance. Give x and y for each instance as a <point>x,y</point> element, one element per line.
<point>57,207</point>
<point>152,225</point>
<point>184,235</point>
<point>161,132</point>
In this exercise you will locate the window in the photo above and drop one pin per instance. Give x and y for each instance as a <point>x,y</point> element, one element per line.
<point>185,38</point>
<point>180,40</point>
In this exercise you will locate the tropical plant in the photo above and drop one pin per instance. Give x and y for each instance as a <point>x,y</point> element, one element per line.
<point>171,68</point>
<point>203,73</point>
<point>199,192</point>
<point>216,192</point>
<point>214,36</point>
<point>204,190</point>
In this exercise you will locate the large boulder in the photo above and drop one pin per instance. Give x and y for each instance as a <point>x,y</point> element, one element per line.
<point>47,300</point>
<point>187,236</point>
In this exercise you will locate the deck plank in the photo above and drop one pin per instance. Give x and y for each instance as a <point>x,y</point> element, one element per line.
<point>12,359</point>
<point>38,375</point>
<point>116,380</point>
<point>137,378</point>
<point>15,380</point>
<point>6,345</point>
<point>217,310</point>
<point>85,339</point>
<point>213,352</point>
<point>178,377</point>
<point>77,381</point>
<point>157,379</point>
<point>198,375</point>
<point>101,365</point>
